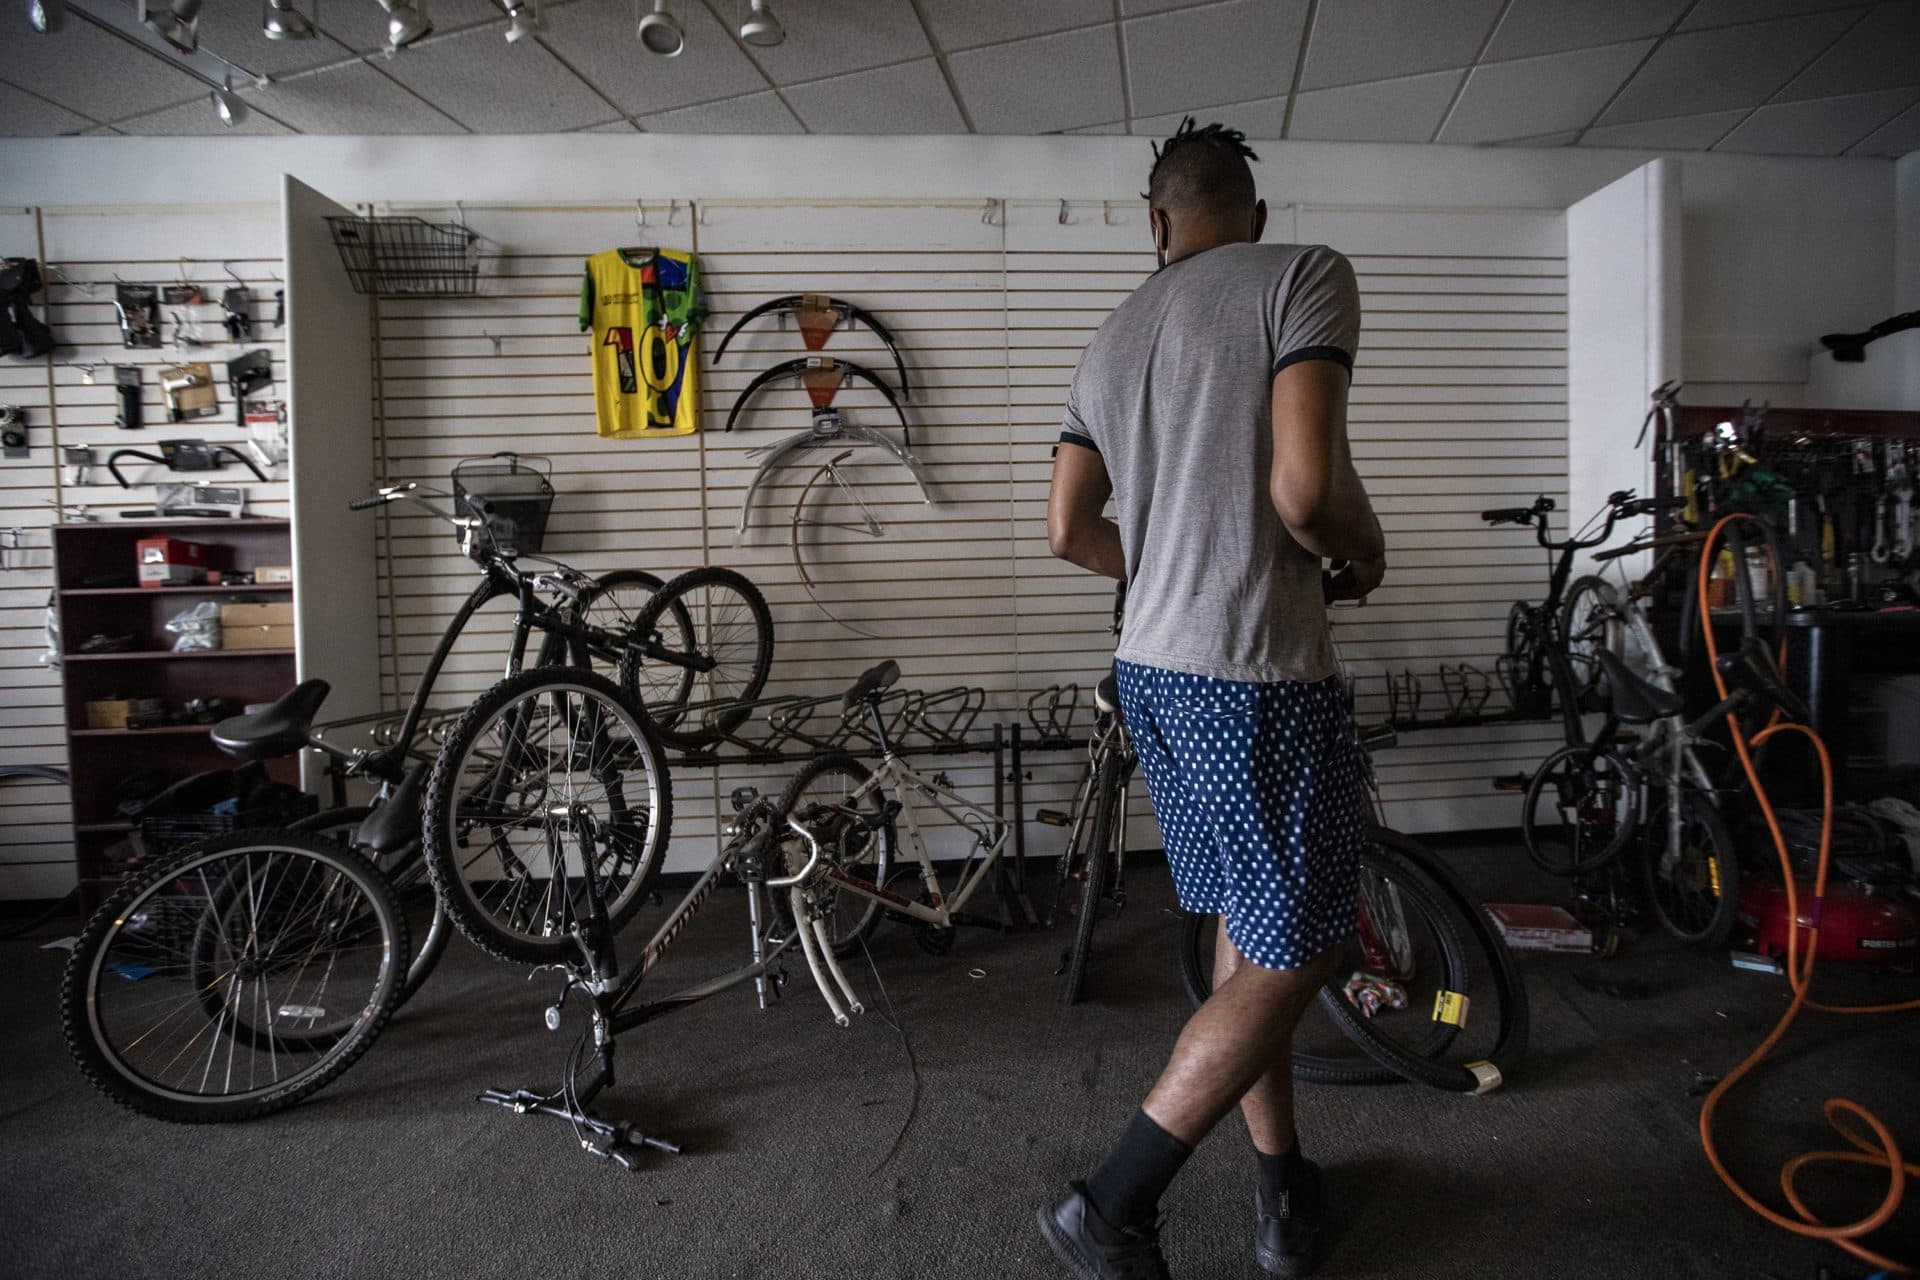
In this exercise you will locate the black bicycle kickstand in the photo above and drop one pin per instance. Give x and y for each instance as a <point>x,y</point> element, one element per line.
<point>596,974</point>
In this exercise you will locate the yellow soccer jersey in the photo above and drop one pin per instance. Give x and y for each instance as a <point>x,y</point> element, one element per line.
<point>643,307</point>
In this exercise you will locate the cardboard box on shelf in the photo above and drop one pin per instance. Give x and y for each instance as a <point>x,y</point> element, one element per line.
<point>256,626</point>
<point>269,574</point>
<point>112,713</point>
<point>174,562</point>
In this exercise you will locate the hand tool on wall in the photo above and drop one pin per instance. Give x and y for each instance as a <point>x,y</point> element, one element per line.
<point>183,455</point>
<point>817,315</point>
<point>822,376</point>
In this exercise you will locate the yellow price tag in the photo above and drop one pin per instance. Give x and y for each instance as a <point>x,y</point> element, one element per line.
<point>1450,1007</point>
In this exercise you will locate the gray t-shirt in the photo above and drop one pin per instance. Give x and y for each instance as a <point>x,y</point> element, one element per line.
<point>1176,394</point>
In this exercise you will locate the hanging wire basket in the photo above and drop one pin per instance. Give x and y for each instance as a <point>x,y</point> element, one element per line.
<point>408,256</point>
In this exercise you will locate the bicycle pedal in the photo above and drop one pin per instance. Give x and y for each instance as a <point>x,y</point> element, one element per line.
<point>1511,782</point>
<point>1052,818</point>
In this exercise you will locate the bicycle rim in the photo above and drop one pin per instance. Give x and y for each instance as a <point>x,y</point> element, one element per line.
<point>1695,894</point>
<point>702,645</point>
<point>406,873</point>
<point>1104,837</point>
<point>857,838</point>
<point>1579,811</point>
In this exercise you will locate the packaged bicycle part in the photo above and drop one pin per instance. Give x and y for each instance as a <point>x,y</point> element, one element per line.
<point>247,374</point>
<point>13,431</point>
<point>126,390</point>
<point>238,305</point>
<point>205,500</point>
<point>138,308</point>
<point>21,332</point>
<point>189,392</point>
<point>81,458</point>
<point>196,628</point>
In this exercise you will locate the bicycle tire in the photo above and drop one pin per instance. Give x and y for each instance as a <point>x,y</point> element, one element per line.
<point>343,822</point>
<point>1363,1067</point>
<point>745,675</point>
<point>1076,821</point>
<point>444,831</point>
<point>1510,1045</point>
<point>1575,774</point>
<point>603,586</point>
<point>846,933</point>
<point>1591,602</point>
<point>1106,799</point>
<point>83,1006</point>
<point>1717,869</point>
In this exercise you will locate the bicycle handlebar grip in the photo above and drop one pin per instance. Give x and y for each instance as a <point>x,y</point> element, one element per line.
<point>367,503</point>
<point>1508,515</point>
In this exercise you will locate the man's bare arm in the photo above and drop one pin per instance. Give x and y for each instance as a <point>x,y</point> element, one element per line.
<point>1077,532</point>
<point>1314,486</point>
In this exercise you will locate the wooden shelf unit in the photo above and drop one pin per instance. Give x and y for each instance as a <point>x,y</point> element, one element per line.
<point>101,759</point>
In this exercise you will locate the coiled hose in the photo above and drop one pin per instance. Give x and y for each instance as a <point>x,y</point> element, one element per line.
<point>1877,1147</point>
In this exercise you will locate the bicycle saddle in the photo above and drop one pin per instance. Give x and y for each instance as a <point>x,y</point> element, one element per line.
<point>396,822</point>
<point>1637,700</point>
<point>870,683</point>
<point>278,729</point>
<point>1106,694</point>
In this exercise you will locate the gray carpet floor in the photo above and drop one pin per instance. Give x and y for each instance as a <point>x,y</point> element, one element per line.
<point>1587,1165</point>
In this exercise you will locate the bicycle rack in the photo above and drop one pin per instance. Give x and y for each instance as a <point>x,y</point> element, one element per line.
<point>1466,690</point>
<point>1052,713</point>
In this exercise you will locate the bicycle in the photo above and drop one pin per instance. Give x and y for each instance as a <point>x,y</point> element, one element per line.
<point>1096,850</point>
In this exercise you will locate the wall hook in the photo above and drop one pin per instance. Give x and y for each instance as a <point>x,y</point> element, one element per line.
<point>59,274</point>
<point>1106,213</point>
<point>1064,220</point>
<point>673,211</point>
<point>494,338</point>
<point>699,213</point>
<point>228,268</point>
<point>640,213</point>
<point>988,211</point>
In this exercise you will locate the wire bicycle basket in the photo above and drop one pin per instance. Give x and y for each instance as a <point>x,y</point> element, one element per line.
<point>407,256</point>
<point>511,497</point>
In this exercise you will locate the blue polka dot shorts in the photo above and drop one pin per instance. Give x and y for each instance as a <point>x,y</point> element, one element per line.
<point>1258,789</point>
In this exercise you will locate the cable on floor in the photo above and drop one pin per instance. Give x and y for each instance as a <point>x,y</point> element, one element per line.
<point>913,1064</point>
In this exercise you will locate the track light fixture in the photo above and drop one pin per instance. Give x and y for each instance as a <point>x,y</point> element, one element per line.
<point>231,110</point>
<point>407,21</point>
<point>46,16</point>
<point>279,20</point>
<point>525,17</point>
<point>761,27</point>
<point>175,21</point>
<point>661,32</point>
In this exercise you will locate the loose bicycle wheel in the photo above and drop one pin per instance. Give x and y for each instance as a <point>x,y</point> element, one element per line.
<point>1695,889</point>
<point>1591,620</point>
<point>1407,952</point>
<point>1579,812</point>
<point>1105,839</point>
<point>856,835</point>
<point>611,604</point>
<point>550,777</point>
<point>406,872</point>
<point>235,977</point>
<point>703,642</point>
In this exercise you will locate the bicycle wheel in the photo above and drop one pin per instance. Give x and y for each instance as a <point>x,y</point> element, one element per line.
<point>1694,893</point>
<point>857,837</point>
<point>1579,812</point>
<point>611,604</point>
<point>1528,687</point>
<point>1407,951</point>
<point>1104,836</point>
<point>234,978</point>
<point>1066,870</point>
<point>406,873</point>
<point>1591,621</point>
<point>704,641</point>
<point>551,776</point>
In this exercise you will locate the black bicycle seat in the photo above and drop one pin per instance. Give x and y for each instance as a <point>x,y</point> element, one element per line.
<point>1637,700</point>
<point>396,823</point>
<point>279,729</point>
<point>870,683</point>
<point>1106,694</point>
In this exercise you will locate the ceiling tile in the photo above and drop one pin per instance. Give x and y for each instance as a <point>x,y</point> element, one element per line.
<point>355,98</point>
<point>1565,137</point>
<point>233,31</point>
<point>101,131</point>
<point>1549,26</point>
<point>1403,110</point>
<point>24,116</point>
<point>1540,95</point>
<point>1131,8</point>
<point>1108,129</point>
<point>87,69</point>
<point>361,25</point>
<point>197,118</point>
<point>611,126</point>
<point>1357,40</point>
<point>961,24</point>
<point>910,98</point>
<point>598,41</point>
<point>830,37</point>
<point>1823,127</point>
<point>1263,119</point>
<point>1041,85</point>
<point>1684,133</point>
<point>1237,51</point>
<point>1718,13</point>
<point>755,113</point>
<point>464,75</point>
<point>1731,67</point>
<point>1883,52</point>
<point>1896,137</point>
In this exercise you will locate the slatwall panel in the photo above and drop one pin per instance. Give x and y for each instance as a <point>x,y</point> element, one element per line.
<point>1458,403</point>
<point>36,853</point>
<point>81,253</point>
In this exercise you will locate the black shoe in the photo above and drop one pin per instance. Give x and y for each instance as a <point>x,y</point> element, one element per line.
<point>1095,1251</point>
<point>1287,1239</point>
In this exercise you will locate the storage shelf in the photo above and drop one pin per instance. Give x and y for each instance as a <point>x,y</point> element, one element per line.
<point>155,732</point>
<point>154,655</point>
<point>101,828</point>
<point>219,590</point>
<point>122,526</point>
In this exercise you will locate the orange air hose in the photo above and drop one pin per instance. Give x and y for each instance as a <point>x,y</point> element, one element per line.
<point>1879,1150</point>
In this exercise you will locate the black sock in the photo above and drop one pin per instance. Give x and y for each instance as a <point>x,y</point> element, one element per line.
<point>1125,1190</point>
<point>1280,1173</point>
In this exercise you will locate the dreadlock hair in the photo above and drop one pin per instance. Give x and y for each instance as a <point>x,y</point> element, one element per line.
<point>1201,167</point>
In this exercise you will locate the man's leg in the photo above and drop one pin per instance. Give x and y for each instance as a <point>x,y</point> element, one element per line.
<point>1267,1107</point>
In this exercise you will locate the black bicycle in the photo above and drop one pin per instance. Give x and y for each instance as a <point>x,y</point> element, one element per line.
<point>1092,867</point>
